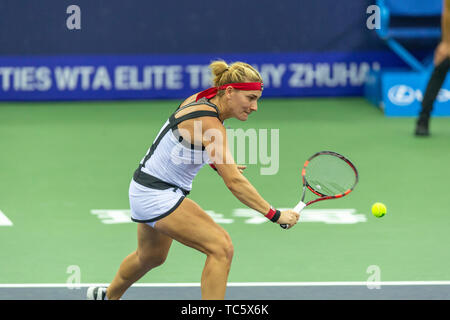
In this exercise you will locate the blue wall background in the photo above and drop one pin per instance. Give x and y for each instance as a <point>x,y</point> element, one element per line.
<point>197,26</point>
<point>157,32</point>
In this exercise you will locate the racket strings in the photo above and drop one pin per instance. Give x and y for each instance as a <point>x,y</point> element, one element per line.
<point>330,175</point>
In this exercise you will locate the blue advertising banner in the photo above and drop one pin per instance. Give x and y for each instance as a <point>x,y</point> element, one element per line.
<point>402,94</point>
<point>177,76</point>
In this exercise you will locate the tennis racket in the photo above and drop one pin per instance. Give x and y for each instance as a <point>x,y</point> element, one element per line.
<point>328,175</point>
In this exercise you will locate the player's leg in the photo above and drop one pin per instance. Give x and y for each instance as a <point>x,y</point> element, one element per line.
<point>152,250</point>
<point>192,226</point>
<point>434,85</point>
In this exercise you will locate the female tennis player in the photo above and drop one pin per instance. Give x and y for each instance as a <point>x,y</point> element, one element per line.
<point>164,177</point>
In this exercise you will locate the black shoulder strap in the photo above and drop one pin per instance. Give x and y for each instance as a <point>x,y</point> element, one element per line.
<point>199,102</point>
<point>192,115</point>
<point>173,123</point>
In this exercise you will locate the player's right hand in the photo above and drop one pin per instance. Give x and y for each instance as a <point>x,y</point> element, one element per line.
<point>289,217</point>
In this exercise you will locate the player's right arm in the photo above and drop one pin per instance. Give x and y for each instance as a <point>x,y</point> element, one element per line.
<point>216,144</point>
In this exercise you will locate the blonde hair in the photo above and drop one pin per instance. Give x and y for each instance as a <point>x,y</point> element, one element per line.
<point>234,73</point>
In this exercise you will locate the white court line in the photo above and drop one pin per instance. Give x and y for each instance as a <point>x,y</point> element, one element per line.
<point>234,284</point>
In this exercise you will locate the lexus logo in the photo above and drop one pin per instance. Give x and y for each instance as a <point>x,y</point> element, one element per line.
<point>401,95</point>
<point>443,96</point>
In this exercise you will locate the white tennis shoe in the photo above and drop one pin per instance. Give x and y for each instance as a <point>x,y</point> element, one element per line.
<point>96,293</point>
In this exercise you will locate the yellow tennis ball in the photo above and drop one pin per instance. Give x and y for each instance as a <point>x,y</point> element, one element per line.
<point>378,209</point>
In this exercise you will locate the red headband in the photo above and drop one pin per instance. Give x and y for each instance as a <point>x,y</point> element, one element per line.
<point>248,86</point>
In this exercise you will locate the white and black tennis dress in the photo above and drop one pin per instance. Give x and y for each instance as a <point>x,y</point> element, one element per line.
<point>164,176</point>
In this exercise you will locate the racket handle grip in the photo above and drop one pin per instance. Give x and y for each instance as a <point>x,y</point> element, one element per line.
<point>299,207</point>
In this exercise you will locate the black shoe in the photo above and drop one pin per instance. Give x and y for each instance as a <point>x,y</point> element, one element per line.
<point>422,128</point>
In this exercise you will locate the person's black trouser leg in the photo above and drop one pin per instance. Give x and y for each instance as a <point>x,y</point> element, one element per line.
<point>434,85</point>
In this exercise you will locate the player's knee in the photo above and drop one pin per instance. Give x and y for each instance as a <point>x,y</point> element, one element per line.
<point>158,260</point>
<point>229,251</point>
<point>224,250</point>
<point>151,260</point>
